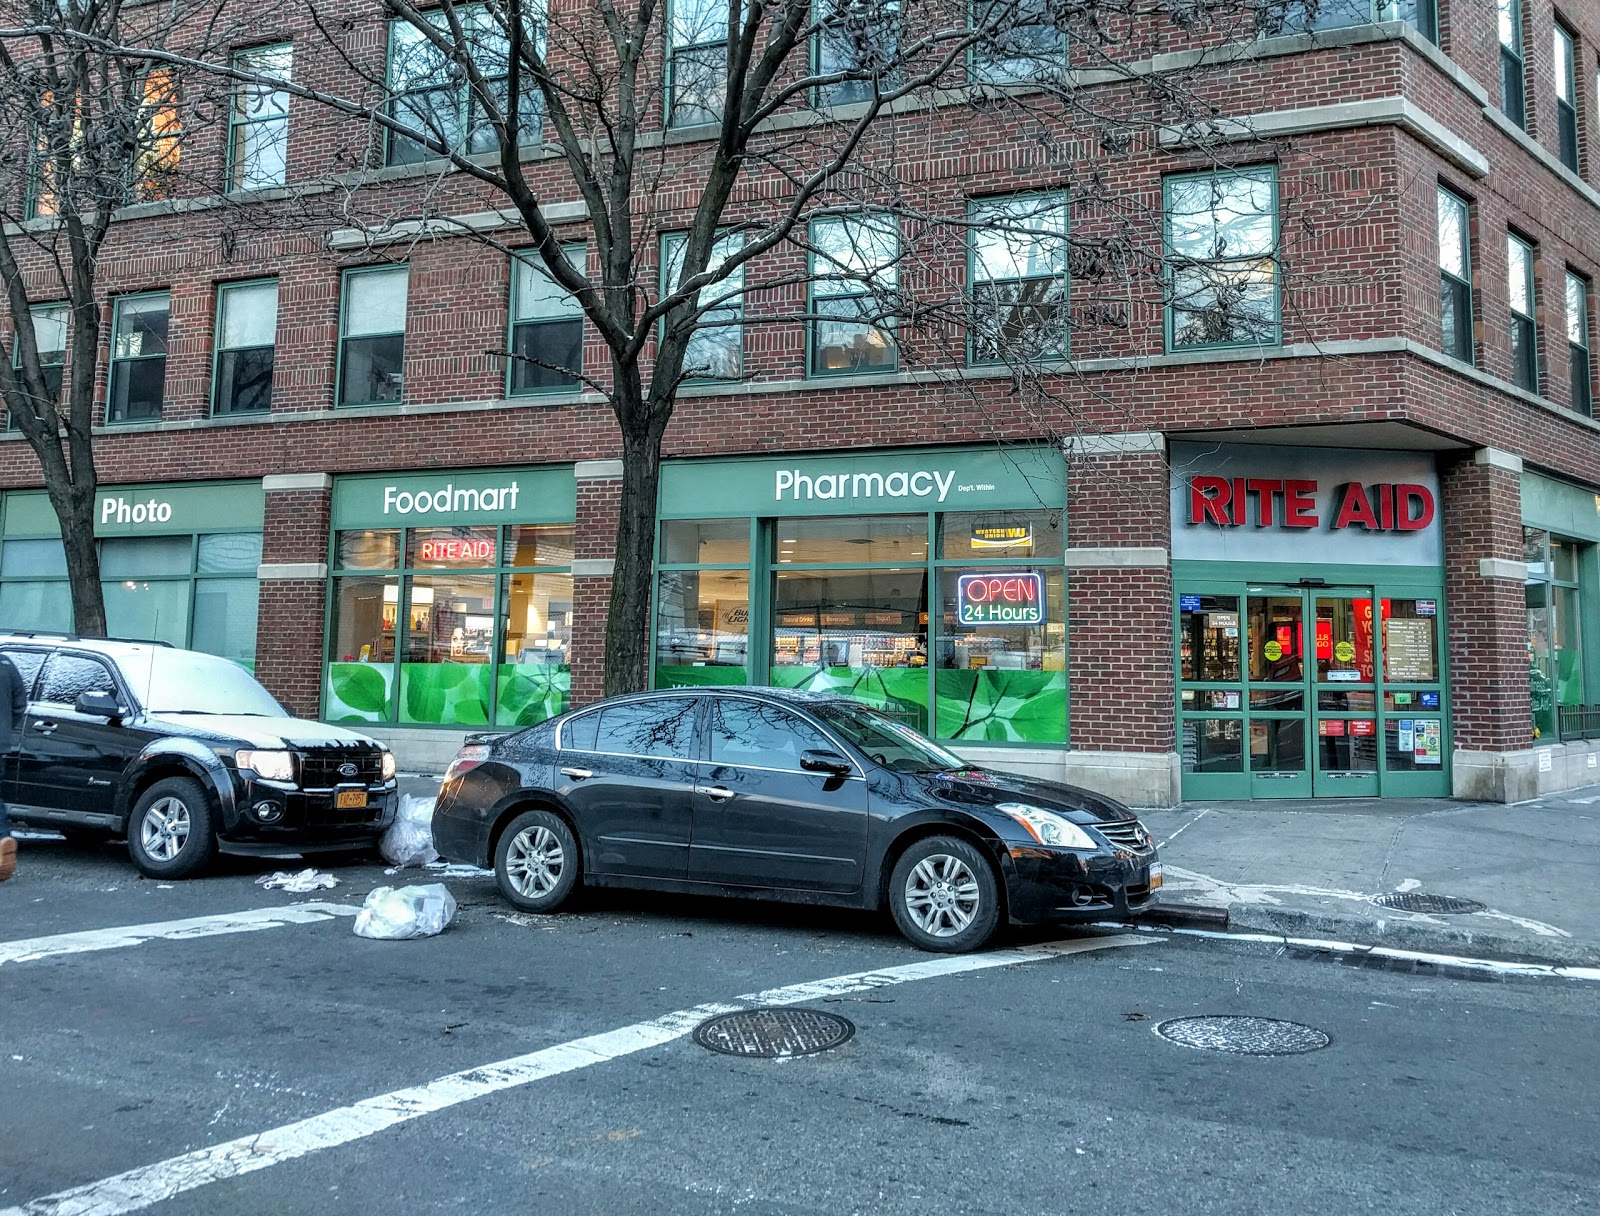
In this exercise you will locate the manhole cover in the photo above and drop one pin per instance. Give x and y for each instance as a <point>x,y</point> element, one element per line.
<point>1421,901</point>
<point>773,1033</point>
<point>1243,1035</point>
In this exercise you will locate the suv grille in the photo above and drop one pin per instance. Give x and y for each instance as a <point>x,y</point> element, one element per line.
<point>1129,834</point>
<point>319,767</point>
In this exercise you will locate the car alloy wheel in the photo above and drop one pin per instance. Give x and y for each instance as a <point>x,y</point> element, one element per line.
<point>534,862</point>
<point>165,830</point>
<point>942,895</point>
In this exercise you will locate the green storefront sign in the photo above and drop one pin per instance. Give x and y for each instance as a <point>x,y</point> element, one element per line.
<point>423,500</point>
<point>147,510</point>
<point>841,573</point>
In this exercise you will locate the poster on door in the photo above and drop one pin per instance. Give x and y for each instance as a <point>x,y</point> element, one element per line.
<point>1426,748</point>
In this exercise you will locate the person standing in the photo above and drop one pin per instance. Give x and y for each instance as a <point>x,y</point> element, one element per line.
<point>13,708</point>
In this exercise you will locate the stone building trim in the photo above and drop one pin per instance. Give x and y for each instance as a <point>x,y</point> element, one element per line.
<point>1503,568</point>
<point>271,572</point>
<point>1107,558</point>
<point>276,482</point>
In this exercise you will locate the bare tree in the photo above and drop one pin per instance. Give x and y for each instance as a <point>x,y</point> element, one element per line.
<point>702,136</point>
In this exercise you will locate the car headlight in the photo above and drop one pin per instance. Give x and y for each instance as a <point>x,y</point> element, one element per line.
<point>1047,827</point>
<point>388,765</point>
<point>269,766</point>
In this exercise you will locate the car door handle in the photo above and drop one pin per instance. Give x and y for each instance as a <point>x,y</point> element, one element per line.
<point>45,728</point>
<point>717,793</point>
<point>577,774</point>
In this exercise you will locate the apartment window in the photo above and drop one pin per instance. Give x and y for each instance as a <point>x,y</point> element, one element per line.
<point>372,335</point>
<point>1513,73</point>
<point>716,348</point>
<point>1455,276</point>
<point>697,61</point>
<point>1578,342</point>
<point>138,377</point>
<point>1023,45</point>
<point>155,163</point>
<point>247,324</point>
<point>435,99</point>
<point>1276,17</point>
<point>861,37</point>
<point>546,326</point>
<point>1565,65</point>
<point>50,340</point>
<point>258,125</point>
<point>1524,342</point>
<point>1221,249</point>
<point>853,279</point>
<point>1019,278</point>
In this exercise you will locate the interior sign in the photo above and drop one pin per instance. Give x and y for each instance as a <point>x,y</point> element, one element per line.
<point>1275,502</point>
<point>479,552</point>
<point>1000,599</point>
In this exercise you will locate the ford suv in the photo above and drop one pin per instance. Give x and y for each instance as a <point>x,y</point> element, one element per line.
<point>186,755</point>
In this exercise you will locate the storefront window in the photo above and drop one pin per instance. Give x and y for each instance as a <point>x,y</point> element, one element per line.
<point>1208,631</point>
<point>1213,745</point>
<point>481,638</point>
<point>702,627</point>
<point>981,535</point>
<point>698,542</point>
<point>997,680</point>
<point>1555,638</point>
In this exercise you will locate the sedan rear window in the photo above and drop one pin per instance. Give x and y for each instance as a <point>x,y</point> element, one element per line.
<point>661,729</point>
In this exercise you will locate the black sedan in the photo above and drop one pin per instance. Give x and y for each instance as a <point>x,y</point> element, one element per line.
<point>776,794</point>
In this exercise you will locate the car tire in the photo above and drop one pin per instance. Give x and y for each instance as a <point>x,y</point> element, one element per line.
<point>536,863</point>
<point>171,833</point>
<point>944,897</point>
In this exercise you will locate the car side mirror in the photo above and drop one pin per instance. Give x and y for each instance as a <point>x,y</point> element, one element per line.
<point>99,705</point>
<point>832,763</point>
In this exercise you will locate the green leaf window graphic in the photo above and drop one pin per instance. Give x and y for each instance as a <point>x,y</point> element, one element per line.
<point>1009,706</point>
<point>900,692</point>
<point>359,692</point>
<point>530,692</point>
<point>445,694</point>
<point>709,676</point>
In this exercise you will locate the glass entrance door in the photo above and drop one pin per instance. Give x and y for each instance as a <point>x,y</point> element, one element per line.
<point>1343,680</point>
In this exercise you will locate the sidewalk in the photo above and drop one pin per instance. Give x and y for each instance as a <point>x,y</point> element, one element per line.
<point>1311,869</point>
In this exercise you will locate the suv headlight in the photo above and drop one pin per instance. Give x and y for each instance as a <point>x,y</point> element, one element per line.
<point>388,765</point>
<point>269,766</point>
<point>1047,827</point>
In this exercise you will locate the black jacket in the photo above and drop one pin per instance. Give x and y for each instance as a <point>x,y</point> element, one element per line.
<point>13,704</point>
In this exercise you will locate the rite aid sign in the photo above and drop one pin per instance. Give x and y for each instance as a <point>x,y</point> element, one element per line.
<point>1244,502</point>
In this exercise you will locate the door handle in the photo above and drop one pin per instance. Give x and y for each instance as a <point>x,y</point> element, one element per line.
<point>577,774</point>
<point>45,728</point>
<point>717,793</point>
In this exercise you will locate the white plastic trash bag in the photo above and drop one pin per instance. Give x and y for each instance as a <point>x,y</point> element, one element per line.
<point>299,884</point>
<point>393,914</point>
<point>409,840</point>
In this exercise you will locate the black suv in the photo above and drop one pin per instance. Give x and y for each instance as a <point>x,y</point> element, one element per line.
<point>185,754</point>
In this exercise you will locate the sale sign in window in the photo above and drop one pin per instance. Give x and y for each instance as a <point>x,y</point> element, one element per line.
<point>1000,599</point>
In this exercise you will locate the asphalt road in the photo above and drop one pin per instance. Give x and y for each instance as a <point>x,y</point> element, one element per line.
<point>1033,1087</point>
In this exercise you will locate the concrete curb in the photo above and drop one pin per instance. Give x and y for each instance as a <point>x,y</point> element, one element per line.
<point>1405,934</point>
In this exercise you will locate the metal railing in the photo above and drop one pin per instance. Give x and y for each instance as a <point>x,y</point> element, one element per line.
<point>1578,721</point>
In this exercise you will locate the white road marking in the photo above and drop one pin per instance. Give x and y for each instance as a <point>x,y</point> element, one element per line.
<point>140,1188</point>
<point>1163,844</point>
<point>30,948</point>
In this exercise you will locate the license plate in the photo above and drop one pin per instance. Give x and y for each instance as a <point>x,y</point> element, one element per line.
<point>346,799</point>
<point>1155,875</point>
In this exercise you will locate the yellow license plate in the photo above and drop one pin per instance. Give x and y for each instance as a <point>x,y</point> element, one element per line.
<point>1155,876</point>
<point>350,798</point>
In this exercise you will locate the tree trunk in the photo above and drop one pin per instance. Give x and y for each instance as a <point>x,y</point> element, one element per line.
<point>628,625</point>
<point>74,507</point>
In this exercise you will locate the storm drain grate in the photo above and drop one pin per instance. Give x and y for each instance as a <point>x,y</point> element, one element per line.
<point>1240,1034</point>
<point>774,1033</point>
<point>1421,901</point>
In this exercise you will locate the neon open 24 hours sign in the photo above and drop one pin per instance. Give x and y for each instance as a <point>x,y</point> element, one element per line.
<point>1000,599</point>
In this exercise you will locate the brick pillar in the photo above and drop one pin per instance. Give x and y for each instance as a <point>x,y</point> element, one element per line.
<point>1119,617</point>
<point>594,549</point>
<point>290,646</point>
<point>1488,630</point>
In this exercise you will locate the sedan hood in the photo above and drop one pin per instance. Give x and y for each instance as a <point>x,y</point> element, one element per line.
<point>986,787</point>
<point>261,732</point>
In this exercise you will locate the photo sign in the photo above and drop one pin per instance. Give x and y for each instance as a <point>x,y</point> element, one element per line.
<point>1000,599</point>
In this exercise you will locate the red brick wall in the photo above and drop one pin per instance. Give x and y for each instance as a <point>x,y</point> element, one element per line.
<point>289,648</point>
<point>598,500</point>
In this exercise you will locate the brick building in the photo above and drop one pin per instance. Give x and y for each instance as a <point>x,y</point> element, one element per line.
<point>1347,547</point>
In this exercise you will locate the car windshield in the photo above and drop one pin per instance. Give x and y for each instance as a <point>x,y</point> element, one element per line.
<point>887,741</point>
<point>185,682</point>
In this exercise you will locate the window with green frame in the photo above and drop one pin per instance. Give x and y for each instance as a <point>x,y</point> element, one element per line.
<point>195,591</point>
<point>258,122</point>
<point>372,334</point>
<point>1455,276</point>
<point>137,384</point>
<point>854,265</point>
<point>1579,373</point>
<point>1522,298</point>
<point>450,626</point>
<point>246,342</point>
<point>1513,67</point>
<point>716,348</point>
<point>1564,55</point>
<point>1222,258</point>
<point>1022,43</point>
<point>1276,17</point>
<point>1554,593</point>
<point>1018,269</point>
<point>697,61</point>
<point>873,607</point>
<point>50,340</point>
<point>546,327</point>
<point>437,102</point>
<point>859,39</point>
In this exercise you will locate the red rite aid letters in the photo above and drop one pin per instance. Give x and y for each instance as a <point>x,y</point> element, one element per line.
<point>1275,502</point>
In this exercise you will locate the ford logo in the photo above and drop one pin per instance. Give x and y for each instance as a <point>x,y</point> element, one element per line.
<point>348,770</point>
